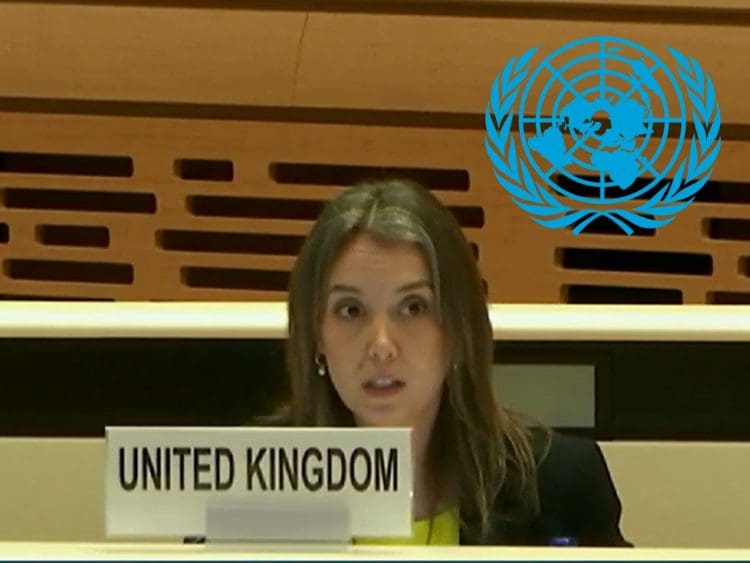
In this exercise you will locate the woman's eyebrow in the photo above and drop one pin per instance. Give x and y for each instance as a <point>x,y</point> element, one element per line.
<point>415,285</point>
<point>343,288</point>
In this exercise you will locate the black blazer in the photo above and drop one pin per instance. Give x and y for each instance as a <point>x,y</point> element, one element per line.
<point>578,503</point>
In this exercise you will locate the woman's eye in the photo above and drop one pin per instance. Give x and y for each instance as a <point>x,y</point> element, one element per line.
<point>348,310</point>
<point>414,307</point>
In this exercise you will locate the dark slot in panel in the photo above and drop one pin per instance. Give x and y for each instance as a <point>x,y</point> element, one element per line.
<point>235,278</point>
<point>600,294</point>
<point>70,235</point>
<point>204,169</point>
<point>86,272</point>
<point>346,175</point>
<point>79,200</point>
<point>684,263</point>
<point>66,164</point>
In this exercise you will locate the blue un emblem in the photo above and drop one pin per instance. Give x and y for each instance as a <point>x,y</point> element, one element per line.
<point>602,128</point>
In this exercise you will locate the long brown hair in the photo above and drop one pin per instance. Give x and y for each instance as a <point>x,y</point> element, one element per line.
<point>476,444</point>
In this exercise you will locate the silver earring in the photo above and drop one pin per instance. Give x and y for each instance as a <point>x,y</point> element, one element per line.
<point>321,365</point>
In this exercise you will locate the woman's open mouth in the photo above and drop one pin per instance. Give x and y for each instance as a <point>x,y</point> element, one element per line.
<point>382,387</point>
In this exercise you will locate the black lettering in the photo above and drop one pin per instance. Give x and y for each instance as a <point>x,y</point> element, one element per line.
<point>124,483</point>
<point>289,468</point>
<point>272,468</point>
<point>225,453</point>
<point>151,468</point>
<point>386,477</point>
<point>181,453</point>
<point>364,483</point>
<point>253,468</point>
<point>339,454</point>
<point>199,468</point>
<point>168,469</point>
<point>317,471</point>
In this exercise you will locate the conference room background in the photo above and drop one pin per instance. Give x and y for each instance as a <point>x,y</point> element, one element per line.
<point>138,164</point>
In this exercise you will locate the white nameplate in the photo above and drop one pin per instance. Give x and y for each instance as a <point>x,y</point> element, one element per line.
<point>160,481</point>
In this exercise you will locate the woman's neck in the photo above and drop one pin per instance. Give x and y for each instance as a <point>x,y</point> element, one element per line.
<point>426,487</point>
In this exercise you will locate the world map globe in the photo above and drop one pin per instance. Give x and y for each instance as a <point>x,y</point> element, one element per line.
<point>609,118</point>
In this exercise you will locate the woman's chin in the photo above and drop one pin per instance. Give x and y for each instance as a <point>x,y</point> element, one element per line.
<point>383,420</point>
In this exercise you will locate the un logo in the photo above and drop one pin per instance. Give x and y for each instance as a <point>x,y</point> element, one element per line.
<point>606,125</point>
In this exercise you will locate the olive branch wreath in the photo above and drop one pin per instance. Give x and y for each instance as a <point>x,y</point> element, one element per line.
<point>671,198</point>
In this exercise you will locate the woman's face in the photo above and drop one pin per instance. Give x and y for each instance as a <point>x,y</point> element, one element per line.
<point>386,351</point>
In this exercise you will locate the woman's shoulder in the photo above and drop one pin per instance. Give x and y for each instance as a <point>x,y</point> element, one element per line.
<point>575,488</point>
<point>566,463</point>
<point>562,450</point>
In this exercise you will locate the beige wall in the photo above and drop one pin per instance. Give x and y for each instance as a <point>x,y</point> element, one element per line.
<point>688,494</point>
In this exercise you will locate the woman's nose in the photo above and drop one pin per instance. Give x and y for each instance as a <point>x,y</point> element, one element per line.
<point>382,346</point>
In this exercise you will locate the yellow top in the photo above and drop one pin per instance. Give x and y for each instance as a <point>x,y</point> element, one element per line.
<point>445,528</point>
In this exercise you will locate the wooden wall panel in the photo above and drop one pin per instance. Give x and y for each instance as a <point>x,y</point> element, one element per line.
<point>279,58</point>
<point>437,63</point>
<point>224,128</point>
<point>148,53</point>
<point>520,260</point>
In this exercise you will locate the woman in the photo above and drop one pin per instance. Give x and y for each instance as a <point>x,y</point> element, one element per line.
<point>388,326</point>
